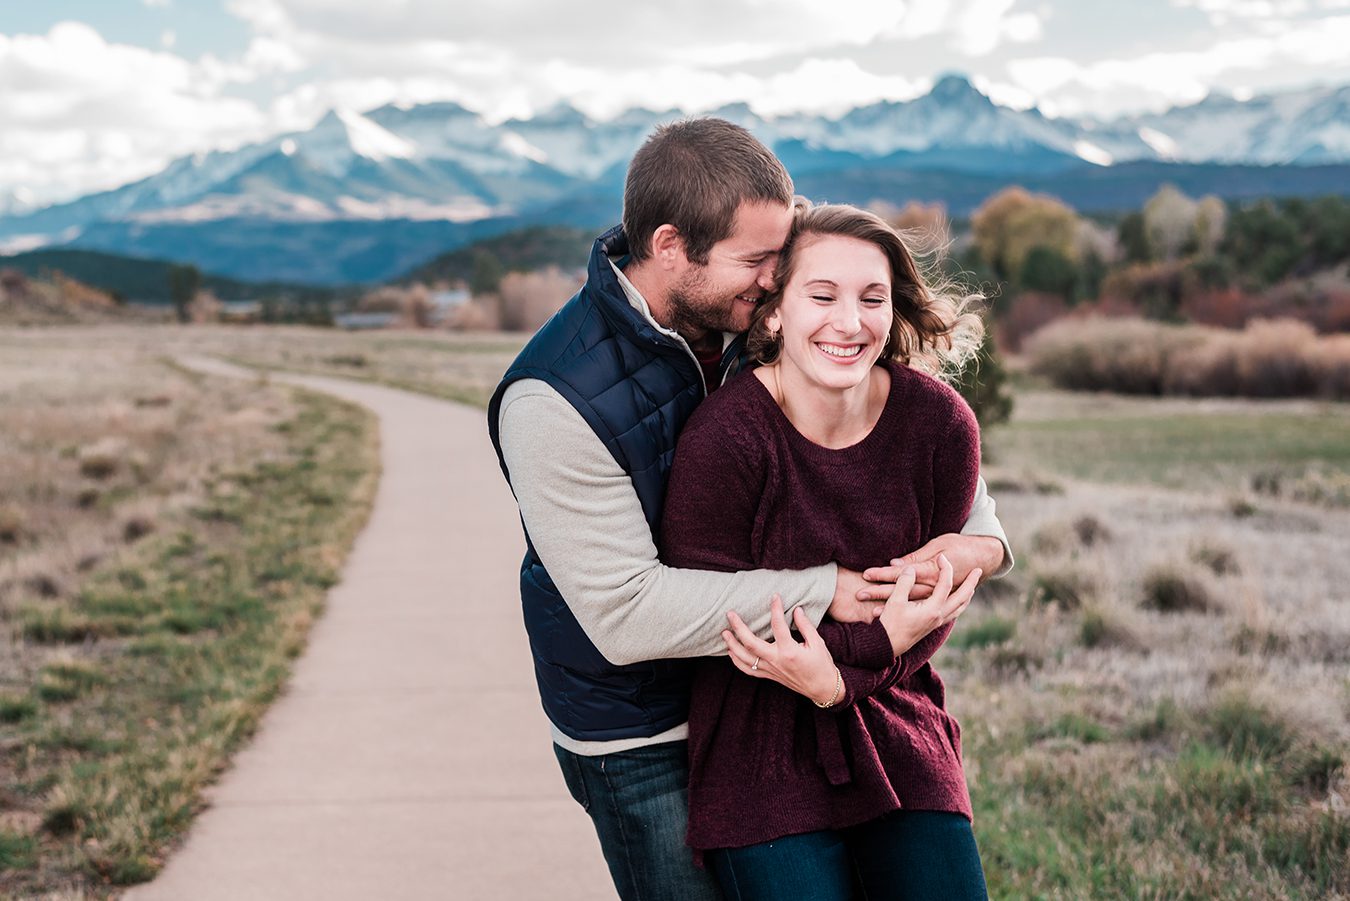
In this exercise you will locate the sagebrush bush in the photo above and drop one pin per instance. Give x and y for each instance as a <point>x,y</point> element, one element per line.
<point>102,459</point>
<point>11,523</point>
<point>1173,589</point>
<point>1268,358</point>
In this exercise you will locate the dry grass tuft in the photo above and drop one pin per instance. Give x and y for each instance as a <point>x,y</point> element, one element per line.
<point>1090,530</point>
<point>1221,561</point>
<point>1105,627</point>
<point>11,523</point>
<point>103,459</point>
<point>137,526</point>
<point>1065,587</point>
<point>1173,588</point>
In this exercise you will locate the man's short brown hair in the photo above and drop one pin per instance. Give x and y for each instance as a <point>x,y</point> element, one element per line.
<point>695,174</point>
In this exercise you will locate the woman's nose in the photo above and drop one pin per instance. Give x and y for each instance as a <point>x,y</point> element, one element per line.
<point>846,318</point>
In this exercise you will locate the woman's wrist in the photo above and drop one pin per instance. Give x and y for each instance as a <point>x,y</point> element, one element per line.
<point>830,697</point>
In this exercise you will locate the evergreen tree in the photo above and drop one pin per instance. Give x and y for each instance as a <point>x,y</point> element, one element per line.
<point>183,284</point>
<point>983,384</point>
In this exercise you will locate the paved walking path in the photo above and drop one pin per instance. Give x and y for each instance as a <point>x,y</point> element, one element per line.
<point>409,757</point>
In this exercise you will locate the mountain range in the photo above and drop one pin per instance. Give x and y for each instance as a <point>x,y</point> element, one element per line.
<point>367,196</point>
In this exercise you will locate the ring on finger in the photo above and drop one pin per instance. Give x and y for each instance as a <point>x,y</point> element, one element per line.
<point>754,667</point>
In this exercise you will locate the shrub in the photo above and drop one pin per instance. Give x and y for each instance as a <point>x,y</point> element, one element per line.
<point>1219,560</point>
<point>1090,530</point>
<point>102,459</point>
<point>137,527</point>
<point>1331,366</point>
<point>1168,589</point>
<point>1269,358</point>
<point>1101,628</point>
<point>16,708</point>
<point>1065,588</point>
<point>1096,354</point>
<point>1247,729</point>
<point>11,523</point>
<point>1272,359</point>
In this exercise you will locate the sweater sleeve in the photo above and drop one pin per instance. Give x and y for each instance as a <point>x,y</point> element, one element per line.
<point>585,520</point>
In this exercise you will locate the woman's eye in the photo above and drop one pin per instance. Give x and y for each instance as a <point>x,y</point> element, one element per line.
<point>822,297</point>
<point>875,300</point>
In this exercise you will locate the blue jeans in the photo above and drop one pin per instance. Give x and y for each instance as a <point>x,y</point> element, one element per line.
<point>910,854</point>
<point>639,802</point>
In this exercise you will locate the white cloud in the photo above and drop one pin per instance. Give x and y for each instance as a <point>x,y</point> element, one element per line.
<point>82,114</point>
<point>1159,80</point>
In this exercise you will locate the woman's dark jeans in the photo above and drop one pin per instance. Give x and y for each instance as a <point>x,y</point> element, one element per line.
<point>910,854</point>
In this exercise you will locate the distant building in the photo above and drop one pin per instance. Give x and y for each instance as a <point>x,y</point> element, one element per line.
<point>355,321</point>
<point>444,304</point>
<point>238,311</point>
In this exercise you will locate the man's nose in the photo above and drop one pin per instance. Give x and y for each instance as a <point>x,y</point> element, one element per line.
<point>765,278</point>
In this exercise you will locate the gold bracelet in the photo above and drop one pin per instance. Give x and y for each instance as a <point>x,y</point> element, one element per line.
<point>838,685</point>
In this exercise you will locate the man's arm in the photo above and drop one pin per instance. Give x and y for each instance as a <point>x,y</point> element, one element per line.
<point>585,521</point>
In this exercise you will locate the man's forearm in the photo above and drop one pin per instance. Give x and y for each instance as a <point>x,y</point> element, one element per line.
<point>983,521</point>
<point>586,522</point>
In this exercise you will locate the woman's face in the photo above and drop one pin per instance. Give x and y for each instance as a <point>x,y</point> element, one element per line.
<point>835,315</point>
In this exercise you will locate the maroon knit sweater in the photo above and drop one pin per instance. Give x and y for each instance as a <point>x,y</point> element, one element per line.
<point>748,491</point>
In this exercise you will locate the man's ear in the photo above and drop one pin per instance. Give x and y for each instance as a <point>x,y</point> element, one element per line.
<point>668,247</point>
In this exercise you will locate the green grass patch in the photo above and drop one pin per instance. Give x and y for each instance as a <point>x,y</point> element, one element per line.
<point>17,852</point>
<point>1073,726</point>
<point>176,651</point>
<point>1189,450</point>
<point>1189,805</point>
<point>991,630</point>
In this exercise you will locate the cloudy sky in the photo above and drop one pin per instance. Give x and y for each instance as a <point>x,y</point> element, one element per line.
<point>96,93</point>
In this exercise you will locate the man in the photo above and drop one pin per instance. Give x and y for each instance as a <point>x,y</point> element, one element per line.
<point>585,423</point>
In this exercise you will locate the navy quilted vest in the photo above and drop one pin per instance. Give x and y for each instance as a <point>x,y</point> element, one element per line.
<point>636,388</point>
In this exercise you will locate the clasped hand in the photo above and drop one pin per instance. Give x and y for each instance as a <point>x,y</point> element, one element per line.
<point>807,666</point>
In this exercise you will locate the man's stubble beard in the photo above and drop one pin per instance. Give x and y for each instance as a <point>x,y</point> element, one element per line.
<point>694,315</point>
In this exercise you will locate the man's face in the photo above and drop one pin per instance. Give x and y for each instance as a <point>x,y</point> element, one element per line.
<point>720,295</point>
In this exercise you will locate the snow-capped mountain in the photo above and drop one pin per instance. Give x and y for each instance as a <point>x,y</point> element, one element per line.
<point>441,162</point>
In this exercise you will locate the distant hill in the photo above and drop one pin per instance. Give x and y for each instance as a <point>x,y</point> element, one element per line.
<point>146,281</point>
<point>57,299</point>
<point>519,251</point>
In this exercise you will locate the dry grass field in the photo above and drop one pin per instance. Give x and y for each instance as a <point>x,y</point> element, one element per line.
<point>165,542</point>
<point>1156,703</point>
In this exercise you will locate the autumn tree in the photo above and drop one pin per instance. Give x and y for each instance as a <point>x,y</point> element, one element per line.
<point>1010,224</point>
<point>1169,223</point>
<point>527,299</point>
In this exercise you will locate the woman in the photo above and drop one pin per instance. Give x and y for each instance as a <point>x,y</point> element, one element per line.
<point>835,448</point>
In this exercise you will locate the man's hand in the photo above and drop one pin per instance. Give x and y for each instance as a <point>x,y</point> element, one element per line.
<point>966,553</point>
<point>849,605</point>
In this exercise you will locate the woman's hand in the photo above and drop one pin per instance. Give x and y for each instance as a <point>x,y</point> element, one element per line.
<point>906,621</point>
<point>806,667</point>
